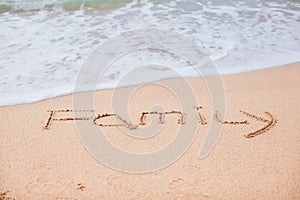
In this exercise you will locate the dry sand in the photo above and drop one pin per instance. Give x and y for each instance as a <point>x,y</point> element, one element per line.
<point>36,163</point>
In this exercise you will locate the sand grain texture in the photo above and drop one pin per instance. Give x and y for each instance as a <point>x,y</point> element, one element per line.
<point>53,164</point>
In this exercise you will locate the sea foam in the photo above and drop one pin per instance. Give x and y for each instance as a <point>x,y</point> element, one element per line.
<point>43,46</point>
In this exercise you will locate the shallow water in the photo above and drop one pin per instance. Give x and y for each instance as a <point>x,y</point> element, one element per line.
<point>43,44</point>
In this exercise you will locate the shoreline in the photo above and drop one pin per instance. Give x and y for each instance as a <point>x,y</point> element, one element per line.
<point>53,163</point>
<point>106,89</point>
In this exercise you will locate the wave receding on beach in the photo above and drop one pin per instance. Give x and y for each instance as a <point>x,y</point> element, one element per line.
<point>44,43</point>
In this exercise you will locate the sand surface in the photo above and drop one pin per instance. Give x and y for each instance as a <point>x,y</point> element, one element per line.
<point>53,163</point>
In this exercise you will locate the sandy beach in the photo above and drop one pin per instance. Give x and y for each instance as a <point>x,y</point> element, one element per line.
<point>257,155</point>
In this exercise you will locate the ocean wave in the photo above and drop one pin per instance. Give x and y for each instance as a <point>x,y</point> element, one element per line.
<point>44,43</point>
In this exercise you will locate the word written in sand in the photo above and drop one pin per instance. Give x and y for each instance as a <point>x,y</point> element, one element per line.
<point>269,122</point>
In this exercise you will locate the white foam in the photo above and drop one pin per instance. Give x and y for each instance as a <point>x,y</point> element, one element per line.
<point>42,52</point>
